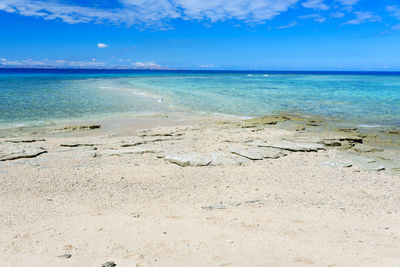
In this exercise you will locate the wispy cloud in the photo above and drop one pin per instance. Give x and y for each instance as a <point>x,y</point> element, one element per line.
<point>362,17</point>
<point>396,27</point>
<point>290,25</point>
<point>315,17</point>
<point>152,12</point>
<point>146,65</point>
<point>316,4</point>
<point>63,63</point>
<point>207,66</point>
<point>337,15</point>
<point>102,45</point>
<point>394,11</point>
<point>348,2</point>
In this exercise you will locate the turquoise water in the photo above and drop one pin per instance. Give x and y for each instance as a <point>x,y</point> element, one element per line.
<point>45,96</point>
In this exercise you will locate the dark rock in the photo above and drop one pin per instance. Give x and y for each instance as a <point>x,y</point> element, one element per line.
<point>80,127</point>
<point>12,153</point>
<point>77,144</point>
<point>24,140</point>
<point>109,264</point>
<point>66,255</point>
<point>348,130</point>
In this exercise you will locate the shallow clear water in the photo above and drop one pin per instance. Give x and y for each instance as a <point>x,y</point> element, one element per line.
<point>45,96</point>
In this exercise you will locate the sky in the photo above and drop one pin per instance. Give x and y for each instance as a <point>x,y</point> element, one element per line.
<point>201,34</point>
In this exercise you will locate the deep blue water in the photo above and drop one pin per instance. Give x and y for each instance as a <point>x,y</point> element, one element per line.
<point>32,96</point>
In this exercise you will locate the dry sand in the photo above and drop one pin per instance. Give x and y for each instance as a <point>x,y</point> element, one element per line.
<point>114,194</point>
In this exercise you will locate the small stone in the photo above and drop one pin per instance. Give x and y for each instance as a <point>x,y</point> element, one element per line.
<point>255,200</point>
<point>109,264</point>
<point>80,127</point>
<point>66,255</point>
<point>214,207</point>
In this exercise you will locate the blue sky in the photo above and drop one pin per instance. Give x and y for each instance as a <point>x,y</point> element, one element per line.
<point>199,34</point>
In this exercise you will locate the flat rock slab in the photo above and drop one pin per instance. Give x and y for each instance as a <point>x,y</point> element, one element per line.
<point>272,153</point>
<point>18,152</point>
<point>19,140</point>
<point>222,159</point>
<point>189,159</point>
<point>338,163</point>
<point>120,152</point>
<point>136,143</point>
<point>78,144</point>
<point>258,153</point>
<point>291,146</point>
<point>365,163</point>
<point>246,152</point>
<point>350,139</point>
<point>361,148</point>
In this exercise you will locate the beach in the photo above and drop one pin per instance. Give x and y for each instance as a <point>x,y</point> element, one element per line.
<point>283,190</point>
<point>199,133</point>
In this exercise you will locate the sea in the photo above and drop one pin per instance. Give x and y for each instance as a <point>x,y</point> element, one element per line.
<point>34,97</point>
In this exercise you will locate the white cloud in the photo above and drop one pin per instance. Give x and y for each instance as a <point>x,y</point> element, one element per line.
<point>394,11</point>
<point>396,27</point>
<point>146,65</point>
<point>316,4</point>
<point>61,63</point>
<point>290,25</point>
<point>152,12</point>
<point>337,15</point>
<point>348,2</point>
<point>207,66</point>
<point>102,45</point>
<point>315,17</point>
<point>362,17</point>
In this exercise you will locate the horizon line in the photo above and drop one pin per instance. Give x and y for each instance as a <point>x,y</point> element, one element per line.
<point>175,69</point>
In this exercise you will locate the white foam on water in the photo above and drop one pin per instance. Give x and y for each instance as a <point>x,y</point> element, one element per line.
<point>369,126</point>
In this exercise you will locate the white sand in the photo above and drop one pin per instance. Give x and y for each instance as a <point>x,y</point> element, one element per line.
<point>140,210</point>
